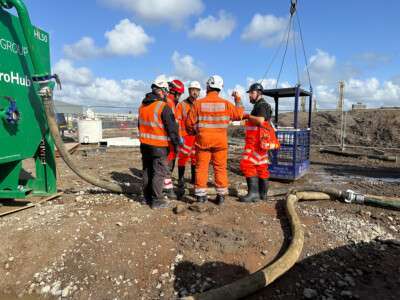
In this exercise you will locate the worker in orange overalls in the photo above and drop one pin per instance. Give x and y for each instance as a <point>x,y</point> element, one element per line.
<point>260,138</point>
<point>209,119</point>
<point>157,129</point>
<point>176,89</point>
<point>187,149</point>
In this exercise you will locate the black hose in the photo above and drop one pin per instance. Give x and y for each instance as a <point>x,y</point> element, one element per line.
<point>51,119</point>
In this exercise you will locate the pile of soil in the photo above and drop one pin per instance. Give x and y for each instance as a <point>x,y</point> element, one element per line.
<point>372,128</point>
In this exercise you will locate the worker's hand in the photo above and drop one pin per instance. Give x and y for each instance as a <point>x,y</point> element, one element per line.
<point>236,96</point>
<point>246,116</point>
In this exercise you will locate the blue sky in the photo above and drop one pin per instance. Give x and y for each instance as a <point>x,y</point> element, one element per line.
<point>354,41</point>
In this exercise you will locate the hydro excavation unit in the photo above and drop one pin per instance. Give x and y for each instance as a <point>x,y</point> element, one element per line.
<point>28,127</point>
<point>24,131</point>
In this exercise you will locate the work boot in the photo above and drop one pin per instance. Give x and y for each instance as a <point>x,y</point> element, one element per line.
<point>158,203</point>
<point>181,183</point>
<point>193,179</point>
<point>170,194</point>
<point>252,188</point>
<point>202,199</point>
<point>263,185</point>
<point>220,199</point>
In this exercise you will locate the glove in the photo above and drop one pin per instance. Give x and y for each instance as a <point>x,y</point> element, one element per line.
<point>236,96</point>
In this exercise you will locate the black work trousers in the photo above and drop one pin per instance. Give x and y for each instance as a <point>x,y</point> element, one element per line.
<point>155,170</point>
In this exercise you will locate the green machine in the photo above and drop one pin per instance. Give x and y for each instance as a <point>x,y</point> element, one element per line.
<point>24,130</point>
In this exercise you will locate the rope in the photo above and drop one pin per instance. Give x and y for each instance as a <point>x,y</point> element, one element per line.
<point>275,54</point>
<point>295,55</point>
<point>304,51</point>
<point>286,48</point>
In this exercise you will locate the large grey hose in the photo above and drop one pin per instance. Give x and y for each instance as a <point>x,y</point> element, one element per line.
<point>48,106</point>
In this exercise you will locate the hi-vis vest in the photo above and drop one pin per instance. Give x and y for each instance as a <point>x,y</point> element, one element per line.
<point>263,138</point>
<point>213,115</point>
<point>151,127</point>
<point>182,111</point>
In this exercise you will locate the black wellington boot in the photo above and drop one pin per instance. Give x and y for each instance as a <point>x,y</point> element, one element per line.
<point>193,179</point>
<point>181,183</point>
<point>159,203</point>
<point>253,193</point>
<point>220,199</point>
<point>202,199</point>
<point>263,185</point>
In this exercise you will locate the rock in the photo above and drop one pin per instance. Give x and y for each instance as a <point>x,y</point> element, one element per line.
<point>264,252</point>
<point>346,294</point>
<point>65,292</point>
<point>155,271</point>
<point>310,293</point>
<point>179,209</point>
<point>119,224</point>
<point>45,289</point>
<point>197,208</point>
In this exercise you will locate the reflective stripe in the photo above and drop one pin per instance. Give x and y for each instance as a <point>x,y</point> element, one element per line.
<point>153,136</point>
<point>184,110</point>
<point>212,118</point>
<point>206,125</point>
<point>251,128</point>
<point>157,109</point>
<point>151,124</point>
<point>222,191</point>
<point>200,192</point>
<point>213,107</point>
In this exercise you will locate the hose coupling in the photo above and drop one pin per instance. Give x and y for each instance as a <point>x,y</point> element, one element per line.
<point>353,197</point>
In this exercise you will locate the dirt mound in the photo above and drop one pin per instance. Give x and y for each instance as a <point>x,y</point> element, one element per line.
<point>373,128</point>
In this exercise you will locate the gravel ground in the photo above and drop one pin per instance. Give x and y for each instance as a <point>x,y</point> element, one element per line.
<point>89,244</point>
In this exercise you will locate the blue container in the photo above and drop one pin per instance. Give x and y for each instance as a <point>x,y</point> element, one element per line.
<point>286,163</point>
<point>292,160</point>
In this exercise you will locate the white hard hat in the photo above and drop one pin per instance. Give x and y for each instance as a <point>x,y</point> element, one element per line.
<point>215,82</point>
<point>194,85</point>
<point>161,84</point>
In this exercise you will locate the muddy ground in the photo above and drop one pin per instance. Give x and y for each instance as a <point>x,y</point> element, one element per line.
<point>89,244</point>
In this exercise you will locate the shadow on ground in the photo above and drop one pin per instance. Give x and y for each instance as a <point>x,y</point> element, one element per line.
<point>192,278</point>
<point>362,271</point>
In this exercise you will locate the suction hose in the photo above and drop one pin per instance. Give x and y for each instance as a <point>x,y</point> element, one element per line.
<point>264,277</point>
<point>46,95</point>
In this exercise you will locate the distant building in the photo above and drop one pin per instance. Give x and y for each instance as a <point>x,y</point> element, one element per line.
<point>358,105</point>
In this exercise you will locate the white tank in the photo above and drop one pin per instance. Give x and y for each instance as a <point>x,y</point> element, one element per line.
<point>90,131</point>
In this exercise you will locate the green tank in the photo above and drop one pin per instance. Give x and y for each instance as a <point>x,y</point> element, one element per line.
<point>24,132</point>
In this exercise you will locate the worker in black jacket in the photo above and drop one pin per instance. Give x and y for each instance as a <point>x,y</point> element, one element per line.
<point>157,127</point>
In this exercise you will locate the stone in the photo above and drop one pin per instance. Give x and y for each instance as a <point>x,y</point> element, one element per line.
<point>179,209</point>
<point>310,293</point>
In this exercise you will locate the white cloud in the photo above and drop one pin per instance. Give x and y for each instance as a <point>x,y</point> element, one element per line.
<point>214,28</point>
<point>126,38</point>
<point>373,59</point>
<point>81,87</point>
<point>322,62</point>
<point>186,68</point>
<point>269,30</point>
<point>71,75</point>
<point>84,48</point>
<point>169,11</point>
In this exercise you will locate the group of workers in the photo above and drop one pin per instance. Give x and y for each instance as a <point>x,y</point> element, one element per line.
<point>197,130</point>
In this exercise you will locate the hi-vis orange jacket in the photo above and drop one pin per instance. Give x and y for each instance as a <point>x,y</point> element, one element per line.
<point>209,120</point>
<point>182,113</point>
<point>151,127</point>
